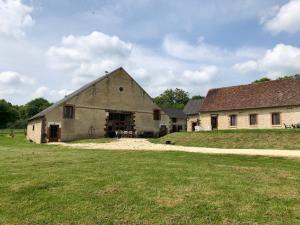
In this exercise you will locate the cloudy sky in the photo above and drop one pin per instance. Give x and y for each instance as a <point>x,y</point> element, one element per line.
<point>50,48</point>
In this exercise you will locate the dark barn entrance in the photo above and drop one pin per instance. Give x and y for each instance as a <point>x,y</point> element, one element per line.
<point>120,122</point>
<point>214,122</point>
<point>53,133</point>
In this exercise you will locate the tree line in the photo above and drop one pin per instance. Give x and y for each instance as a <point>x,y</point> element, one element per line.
<point>174,98</point>
<point>264,79</point>
<point>15,116</point>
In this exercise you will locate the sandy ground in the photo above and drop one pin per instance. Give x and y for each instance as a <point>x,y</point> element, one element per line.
<point>143,144</point>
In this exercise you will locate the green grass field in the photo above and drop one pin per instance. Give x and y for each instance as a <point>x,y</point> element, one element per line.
<point>42,184</point>
<point>15,131</point>
<point>257,139</point>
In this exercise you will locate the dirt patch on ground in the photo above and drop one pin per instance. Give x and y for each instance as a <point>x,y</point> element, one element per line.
<point>144,144</point>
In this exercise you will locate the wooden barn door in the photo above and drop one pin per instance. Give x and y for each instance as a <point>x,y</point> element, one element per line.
<point>54,133</point>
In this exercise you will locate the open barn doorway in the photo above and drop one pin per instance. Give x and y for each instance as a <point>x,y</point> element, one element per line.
<point>121,123</point>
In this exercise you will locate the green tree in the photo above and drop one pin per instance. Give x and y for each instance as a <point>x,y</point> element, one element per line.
<point>197,97</point>
<point>263,79</point>
<point>33,107</point>
<point>8,113</point>
<point>170,98</point>
<point>288,76</point>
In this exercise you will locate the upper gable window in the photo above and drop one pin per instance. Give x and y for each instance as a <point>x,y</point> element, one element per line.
<point>68,112</point>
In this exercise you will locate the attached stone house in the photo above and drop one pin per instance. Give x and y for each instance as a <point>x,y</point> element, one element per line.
<point>114,102</point>
<point>272,104</point>
<point>176,120</point>
<point>192,111</point>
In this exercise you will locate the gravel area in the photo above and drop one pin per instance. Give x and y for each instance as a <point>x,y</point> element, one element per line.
<point>144,144</point>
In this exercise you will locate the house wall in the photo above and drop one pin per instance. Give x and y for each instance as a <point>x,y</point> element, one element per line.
<point>91,105</point>
<point>179,122</point>
<point>190,120</point>
<point>36,134</point>
<point>289,115</point>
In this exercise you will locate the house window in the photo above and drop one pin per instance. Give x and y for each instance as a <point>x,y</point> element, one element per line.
<point>276,119</point>
<point>233,120</point>
<point>68,112</point>
<point>156,114</point>
<point>174,120</point>
<point>253,119</point>
<point>32,127</point>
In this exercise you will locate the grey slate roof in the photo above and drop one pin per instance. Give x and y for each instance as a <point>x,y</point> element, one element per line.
<point>193,106</point>
<point>68,97</point>
<point>174,113</point>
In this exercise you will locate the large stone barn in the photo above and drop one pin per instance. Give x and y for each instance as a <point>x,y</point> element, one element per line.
<point>114,103</point>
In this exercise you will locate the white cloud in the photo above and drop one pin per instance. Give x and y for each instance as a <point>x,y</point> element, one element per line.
<point>15,18</point>
<point>13,84</point>
<point>250,52</point>
<point>208,53</point>
<point>246,66</point>
<point>50,94</point>
<point>11,78</point>
<point>87,56</point>
<point>201,51</point>
<point>287,18</point>
<point>84,58</point>
<point>198,77</point>
<point>281,60</point>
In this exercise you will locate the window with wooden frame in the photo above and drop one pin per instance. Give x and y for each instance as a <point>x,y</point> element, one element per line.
<point>276,119</point>
<point>68,112</point>
<point>253,119</point>
<point>156,114</point>
<point>233,120</point>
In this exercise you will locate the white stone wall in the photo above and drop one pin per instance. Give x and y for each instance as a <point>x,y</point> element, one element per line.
<point>289,115</point>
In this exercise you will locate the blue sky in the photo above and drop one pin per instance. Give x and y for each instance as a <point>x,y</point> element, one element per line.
<point>50,48</point>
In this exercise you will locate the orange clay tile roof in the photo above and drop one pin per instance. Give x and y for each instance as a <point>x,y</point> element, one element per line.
<point>275,93</point>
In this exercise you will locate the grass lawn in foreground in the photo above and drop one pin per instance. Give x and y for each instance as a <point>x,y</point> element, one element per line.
<point>253,139</point>
<point>42,184</point>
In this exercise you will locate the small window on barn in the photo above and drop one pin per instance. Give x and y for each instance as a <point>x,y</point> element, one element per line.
<point>156,114</point>
<point>233,120</point>
<point>276,119</point>
<point>121,89</point>
<point>253,119</point>
<point>68,112</point>
<point>32,127</point>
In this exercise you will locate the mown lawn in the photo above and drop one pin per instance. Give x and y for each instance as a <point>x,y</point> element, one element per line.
<point>42,184</point>
<point>253,139</point>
